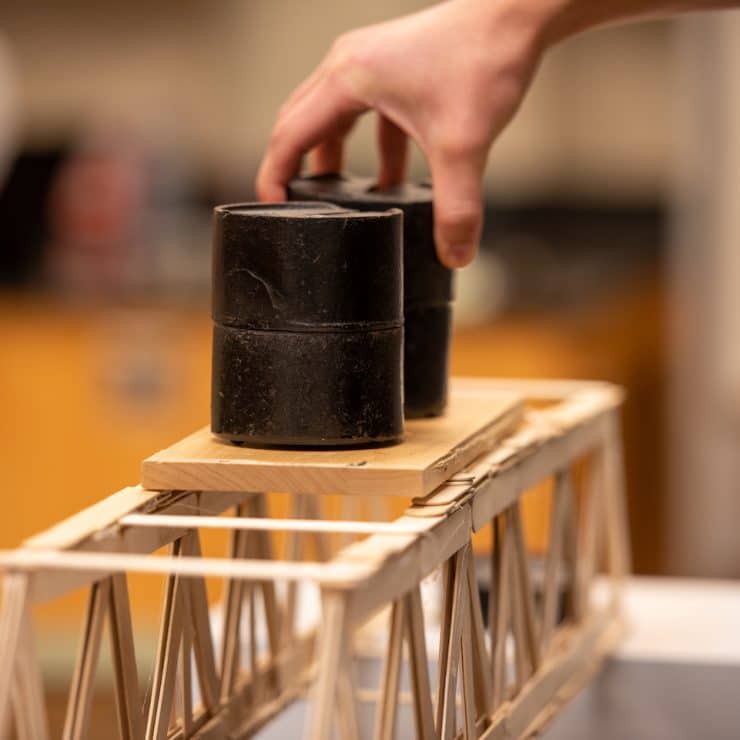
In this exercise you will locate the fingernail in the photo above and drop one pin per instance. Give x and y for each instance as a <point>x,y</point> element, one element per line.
<point>458,255</point>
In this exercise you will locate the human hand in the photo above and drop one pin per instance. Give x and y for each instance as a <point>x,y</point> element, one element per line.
<point>451,77</point>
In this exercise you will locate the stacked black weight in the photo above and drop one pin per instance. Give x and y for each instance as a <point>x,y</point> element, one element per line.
<point>308,325</point>
<point>428,289</point>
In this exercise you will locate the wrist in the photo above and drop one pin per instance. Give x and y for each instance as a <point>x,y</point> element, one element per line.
<point>552,21</point>
<point>538,24</point>
<point>560,19</point>
<point>544,23</point>
<point>564,18</point>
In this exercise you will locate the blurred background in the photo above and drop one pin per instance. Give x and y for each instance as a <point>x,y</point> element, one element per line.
<point>610,248</point>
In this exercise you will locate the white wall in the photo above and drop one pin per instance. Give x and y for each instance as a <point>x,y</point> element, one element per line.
<point>704,421</point>
<point>213,74</point>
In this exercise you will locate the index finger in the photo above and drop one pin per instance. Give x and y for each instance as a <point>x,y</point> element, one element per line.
<point>321,113</point>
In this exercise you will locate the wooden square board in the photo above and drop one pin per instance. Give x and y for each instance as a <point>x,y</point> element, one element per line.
<point>433,450</point>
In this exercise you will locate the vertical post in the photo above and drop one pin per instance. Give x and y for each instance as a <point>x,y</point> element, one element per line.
<point>617,525</point>
<point>124,660</point>
<point>170,635</point>
<point>80,695</point>
<point>588,536</point>
<point>449,648</point>
<point>468,681</point>
<point>232,611</point>
<point>293,546</point>
<point>28,694</point>
<point>498,619</point>
<point>14,614</point>
<point>481,661</point>
<point>525,585</point>
<point>553,567</point>
<point>385,720</point>
<point>419,665</point>
<point>195,599</point>
<point>333,669</point>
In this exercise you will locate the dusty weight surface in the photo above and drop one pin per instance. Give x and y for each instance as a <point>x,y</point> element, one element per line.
<point>306,267</point>
<point>427,333</point>
<point>307,325</point>
<point>428,286</point>
<point>292,396</point>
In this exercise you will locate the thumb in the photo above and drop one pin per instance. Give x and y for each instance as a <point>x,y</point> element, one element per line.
<point>458,207</point>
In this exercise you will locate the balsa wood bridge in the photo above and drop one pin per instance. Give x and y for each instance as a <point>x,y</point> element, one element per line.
<point>500,674</point>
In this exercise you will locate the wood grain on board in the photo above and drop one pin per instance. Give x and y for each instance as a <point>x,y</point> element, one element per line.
<point>433,450</point>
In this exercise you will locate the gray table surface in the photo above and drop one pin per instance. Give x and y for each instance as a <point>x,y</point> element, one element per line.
<point>676,675</point>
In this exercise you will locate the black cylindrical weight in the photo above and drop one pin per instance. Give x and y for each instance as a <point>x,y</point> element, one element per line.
<point>308,325</point>
<point>428,285</point>
<point>298,267</point>
<point>426,345</point>
<point>307,388</point>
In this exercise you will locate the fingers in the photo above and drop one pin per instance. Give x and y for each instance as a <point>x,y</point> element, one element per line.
<point>309,83</point>
<point>328,156</point>
<point>322,113</point>
<point>458,206</point>
<point>393,148</point>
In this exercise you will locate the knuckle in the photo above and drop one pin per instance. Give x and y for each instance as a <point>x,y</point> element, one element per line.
<point>463,137</point>
<point>278,136</point>
<point>349,51</point>
<point>339,44</point>
<point>344,43</point>
<point>341,53</point>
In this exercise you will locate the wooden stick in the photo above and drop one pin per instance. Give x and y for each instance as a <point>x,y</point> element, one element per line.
<point>617,524</point>
<point>321,526</point>
<point>525,586</point>
<point>558,523</point>
<point>332,645</point>
<point>232,610</point>
<point>24,719</point>
<point>385,717</point>
<point>195,598</point>
<point>570,559</point>
<point>349,509</point>
<point>347,719</point>
<point>522,663</point>
<point>445,627</point>
<point>499,618</point>
<point>590,526</point>
<point>80,695</point>
<point>419,665</point>
<point>253,657</point>
<point>468,671</point>
<point>449,659</point>
<point>293,543</point>
<point>272,612</point>
<point>28,695</point>
<point>480,657</point>
<point>14,616</point>
<point>331,574</point>
<point>185,678</point>
<point>124,660</point>
<point>163,680</point>
<point>320,542</point>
